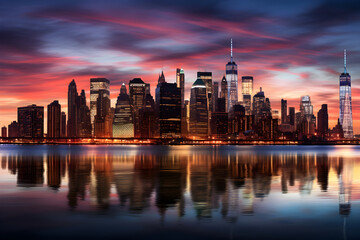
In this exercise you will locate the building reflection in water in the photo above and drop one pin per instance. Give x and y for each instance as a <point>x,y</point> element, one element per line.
<point>214,181</point>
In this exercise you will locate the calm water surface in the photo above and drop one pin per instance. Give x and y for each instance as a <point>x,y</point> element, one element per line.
<point>179,192</point>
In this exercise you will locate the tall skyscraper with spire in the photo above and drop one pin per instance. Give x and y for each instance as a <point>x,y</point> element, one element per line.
<point>345,116</point>
<point>232,80</point>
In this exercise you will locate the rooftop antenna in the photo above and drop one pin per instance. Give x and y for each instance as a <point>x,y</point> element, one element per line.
<point>231,50</point>
<point>344,60</point>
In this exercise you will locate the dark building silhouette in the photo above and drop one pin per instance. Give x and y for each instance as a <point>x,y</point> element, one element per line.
<point>198,110</point>
<point>247,89</point>
<point>84,116</point>
<point>224,91</point>
<point>283,111</point>
<point>53,119</point>
<point>31,121</point>
<point>103,120</point>
<point>97,84</point>
<point>63,124</point>
<point>13,129</point>
<point>137,97</point>
<point>170,110</point>
<point>4,132</point>
<point>72,125</point>
<point>215,96</point>
<point>292,116</point>
<point>148,118</point>
<point>323,121</point>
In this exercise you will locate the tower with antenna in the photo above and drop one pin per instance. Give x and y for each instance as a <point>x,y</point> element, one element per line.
<point>232,80</point>
<point>345,113</point>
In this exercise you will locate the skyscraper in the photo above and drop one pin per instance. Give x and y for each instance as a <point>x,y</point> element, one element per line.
<point>123,125</point>
<point>97,84</point>
<point>283,111</point>
<point>198,110</point>
<point>13,129</point>
<point>53,119</point>
<point>103,119</point>
<point>137,97</point>
<point>247,90</point>
<point>63,125</point>
<point>307,121</point>
<point>232,80</point>
<point>31,121</point>
<point>292,116</point>
<point>207,79</point>
<point>170,110</point>
<point>215,96</point>
<point>323,121</point>
<point>4,132</point>
<point>345,115</point>
<point>84,121</point>
<point>224,91</point>
<point>72,129</point>
<point>180,82</point>
<point>148,118</point>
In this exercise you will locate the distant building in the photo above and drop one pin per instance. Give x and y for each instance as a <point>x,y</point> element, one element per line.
<point>261,106</point>
<point>97,84</point>
<point>345,116</point>
<point>84,121</point>
<point>53,119</point>
<point>307,121</point>
<point>72,125</point>
<point>337,132</point>
<point>180,83</point>
<point>170,110</point>
<point>292,116</point>
<point>283,111</point>
<point>103,119</point>
<point>187,119</point>
<point>323,121</point>
<point>215,96</point>
<point>13,129</point>
<point>207,79</point>
<point>198,110</point>
<point>232,81</point>
<point>31,121</point>
<point>4,132</point>
<point>224,91</point>
<point>247,90</point>
<point>137,97</point>
<point>63,125</point>
<point>148,118</point>
<point>123,124</point>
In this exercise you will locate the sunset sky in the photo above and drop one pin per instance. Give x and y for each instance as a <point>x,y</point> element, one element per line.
<point>292,48</point>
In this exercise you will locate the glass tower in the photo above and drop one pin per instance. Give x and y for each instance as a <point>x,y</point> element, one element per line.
<point>345,115</point>
<point>232,80</point>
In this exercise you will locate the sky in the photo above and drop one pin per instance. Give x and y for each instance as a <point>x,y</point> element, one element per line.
<point>291,48</point>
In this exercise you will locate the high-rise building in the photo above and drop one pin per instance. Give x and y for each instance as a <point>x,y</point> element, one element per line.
<point>180,82</point>
<point>53,119</point>
<point>215,96</point>
<point>198,110</point>
<point>323,121</point>
<point>170,110</point>
<point>103,119</point>
<point>4,132</point>
<point>307,121</point>
<point>224,91</point>
<point>63,125</point>
<point>283,111</point>
<point>97,84</point>
<point>345,115</point>
<point>13,129</point>
<point>148,118</point>
<point>232,80</point>
<point>292,116</point>
<point>31,121</point>
<point>261,106</point>
<point>186,131</point>
<point>207,79</point>
<point>247,90</point>
<point>123,124</point>
<point>72,125</point>
<point>84,121</point>
<point>137,97</point>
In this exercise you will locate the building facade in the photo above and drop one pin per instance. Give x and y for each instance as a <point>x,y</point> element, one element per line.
<point>31,121</point>
<point>198,110</point>
<point>232,81</point>
<point>123,124</point>
<point>97,84</point>
<point>53,119</point>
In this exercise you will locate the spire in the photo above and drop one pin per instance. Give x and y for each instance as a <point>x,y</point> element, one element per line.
<point>345,61</point>
<point>231,50</point>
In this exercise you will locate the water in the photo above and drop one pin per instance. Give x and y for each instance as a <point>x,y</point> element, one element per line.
<point>179,192</point>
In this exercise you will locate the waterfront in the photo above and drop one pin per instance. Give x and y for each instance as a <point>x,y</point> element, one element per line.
<point>178,192</point>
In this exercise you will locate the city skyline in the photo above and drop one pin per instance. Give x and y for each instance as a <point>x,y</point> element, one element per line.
<point>60,47</point>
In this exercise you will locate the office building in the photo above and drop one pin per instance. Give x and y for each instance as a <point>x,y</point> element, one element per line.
<point>323,121</point>
<point>123,124</point>
<point>13,129</point>
<point>247,90</point>
<point>63,125</point>
<point>53,119</point>
<point>4,132</point>
<point>97,84</point>
<point>283,111</point>
<point>198,110</point>
<point>137,97</point>
<point>103,119</point>
<point>224,91</point>
<point>31,121</point>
